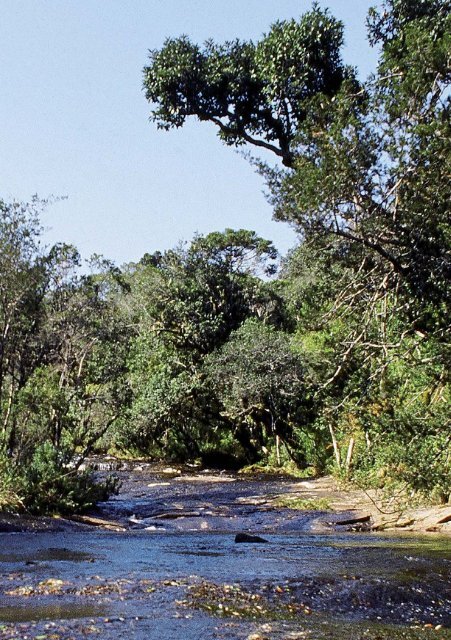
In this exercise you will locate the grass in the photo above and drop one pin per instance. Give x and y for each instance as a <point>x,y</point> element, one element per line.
<point>288,469</point>
<point>303,504</point>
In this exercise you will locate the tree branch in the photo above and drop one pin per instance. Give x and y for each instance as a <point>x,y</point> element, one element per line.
<point>286,159</point>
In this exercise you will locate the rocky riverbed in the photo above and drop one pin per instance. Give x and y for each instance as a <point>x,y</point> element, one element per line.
<point>160,560</point>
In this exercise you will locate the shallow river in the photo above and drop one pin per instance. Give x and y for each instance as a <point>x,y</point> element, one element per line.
<point>176,572</point>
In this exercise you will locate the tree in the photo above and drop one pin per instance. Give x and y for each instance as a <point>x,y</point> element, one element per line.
<point>261,384</point>
<point>373,172</point>
<point>62,365</point>
<point>184,304</point>
<point>370,179</point>
<point>366,162</point>
<point>198,295</point>
<point>86,344</point>
<point>365,183</point>
<point>256,94</point>
<point>23,282</point>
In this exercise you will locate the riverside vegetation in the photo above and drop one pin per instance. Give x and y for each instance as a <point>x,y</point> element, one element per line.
<point>334,358</point>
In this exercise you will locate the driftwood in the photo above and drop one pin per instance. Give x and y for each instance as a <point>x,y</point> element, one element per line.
<point>174,515</point>
<point>97,522</point>
<point>445,519</point>
<point>353,520</point>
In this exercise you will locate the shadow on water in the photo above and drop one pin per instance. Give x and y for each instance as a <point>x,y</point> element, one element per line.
<point>65,611</point>
<point>51,554</point>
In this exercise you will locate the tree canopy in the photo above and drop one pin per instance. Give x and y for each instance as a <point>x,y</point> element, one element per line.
<point>364,180</point>
<point>256,94</point>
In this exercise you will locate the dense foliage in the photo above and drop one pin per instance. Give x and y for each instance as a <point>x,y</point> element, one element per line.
<point>62,365</point>
<point>258,94</point>
<point>336,359</point>
<point>365,185</point>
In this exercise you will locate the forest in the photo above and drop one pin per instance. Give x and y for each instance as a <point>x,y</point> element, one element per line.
<point>332,359</point>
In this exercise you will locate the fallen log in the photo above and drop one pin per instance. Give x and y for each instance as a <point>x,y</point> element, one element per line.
<point>97,522</point>
<point>358,520</point>
<point>445,519</point>
<point>174,515</point>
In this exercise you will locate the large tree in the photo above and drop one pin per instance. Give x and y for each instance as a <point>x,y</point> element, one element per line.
<point>374,172</point>
<point>262,386</point>
<point>365,181</point>
<point>256,94</point>
<point>365,163</point>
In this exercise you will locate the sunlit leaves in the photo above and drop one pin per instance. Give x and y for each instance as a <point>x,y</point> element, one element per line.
<point>254,93</point>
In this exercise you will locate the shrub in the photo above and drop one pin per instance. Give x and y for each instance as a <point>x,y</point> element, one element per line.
<point>50,485</point>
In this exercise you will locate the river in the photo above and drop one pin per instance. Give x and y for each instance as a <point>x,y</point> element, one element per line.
<point>175,571</point>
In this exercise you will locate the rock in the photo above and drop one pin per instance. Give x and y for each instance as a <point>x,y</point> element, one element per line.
<point>171,471</point>
<point>142,523</point>
<point>245,537</point>
<point>406,522</point>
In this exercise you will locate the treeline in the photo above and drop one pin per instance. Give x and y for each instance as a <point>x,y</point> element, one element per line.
<point>337,358</point>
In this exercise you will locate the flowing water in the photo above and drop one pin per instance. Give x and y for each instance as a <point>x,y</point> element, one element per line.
<point>176,572</point>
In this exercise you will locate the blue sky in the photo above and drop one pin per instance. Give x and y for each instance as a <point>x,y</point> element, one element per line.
<point>74,121</point>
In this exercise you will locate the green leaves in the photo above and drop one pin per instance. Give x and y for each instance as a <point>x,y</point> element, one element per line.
<point>260,381</point>
<point>184,304</point>
<point>298,60</point>
<point>398,15</point>
<point>196,296</point>
<point>254,94</point>
<point>62,362</point>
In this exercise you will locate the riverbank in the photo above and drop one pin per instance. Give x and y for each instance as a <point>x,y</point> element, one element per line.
<point>371,512</point>
<point>321,504</point>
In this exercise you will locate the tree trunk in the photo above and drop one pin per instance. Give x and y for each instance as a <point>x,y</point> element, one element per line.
<point>350,452</point>
<point>278,450</point>
<point>335,445</point>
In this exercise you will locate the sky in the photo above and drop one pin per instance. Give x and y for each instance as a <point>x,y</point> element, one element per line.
<point>74,121</point>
